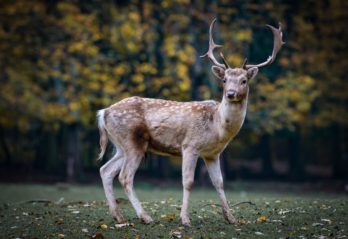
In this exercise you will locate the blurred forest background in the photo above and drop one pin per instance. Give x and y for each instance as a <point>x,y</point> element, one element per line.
<point>61,61</point>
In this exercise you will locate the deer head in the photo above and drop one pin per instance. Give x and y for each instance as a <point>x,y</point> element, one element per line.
<point>235,80</point>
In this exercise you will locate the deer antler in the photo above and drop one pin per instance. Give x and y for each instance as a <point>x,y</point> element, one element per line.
<point>277,44</point>
<point>212,46</point>
<point>224,60</point>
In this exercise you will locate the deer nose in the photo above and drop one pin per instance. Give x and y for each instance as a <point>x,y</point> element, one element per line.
<point>231,94</point>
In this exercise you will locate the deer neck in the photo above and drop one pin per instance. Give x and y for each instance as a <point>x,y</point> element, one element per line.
<point>231,117</point>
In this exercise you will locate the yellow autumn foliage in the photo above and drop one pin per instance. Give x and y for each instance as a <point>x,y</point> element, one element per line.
<point>72,59</point>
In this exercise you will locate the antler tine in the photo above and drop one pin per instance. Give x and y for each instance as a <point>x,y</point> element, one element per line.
<point>277,44</point>
<point>212,46</point>
<point>224,60</point>
<point>244,63</point>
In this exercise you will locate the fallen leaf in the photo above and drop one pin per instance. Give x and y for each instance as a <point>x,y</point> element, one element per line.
<point>326,220</point>
<point>283,211</point>
<point>262,218</point>
<point>60,221</point>
<point>259,233</point>
<point>120,225</point>
<point>243,221</point>
<point>98,235</point>
<point>315,224</point>
<point>103,226</point>
<point>176,234</point>
<point>84,230</point>
<point>61,235</point>
<point>75,212</point>
<point>169,217</point>
<point>277,220</point>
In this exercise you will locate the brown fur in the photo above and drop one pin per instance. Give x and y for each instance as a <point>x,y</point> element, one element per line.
<point>140,137</point>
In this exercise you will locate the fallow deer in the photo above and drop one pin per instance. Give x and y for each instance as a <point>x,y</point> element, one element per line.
<point>195,129</point>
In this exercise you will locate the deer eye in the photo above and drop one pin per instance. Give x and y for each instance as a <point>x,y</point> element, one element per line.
<point>244,82</point>
<point>224,81</point>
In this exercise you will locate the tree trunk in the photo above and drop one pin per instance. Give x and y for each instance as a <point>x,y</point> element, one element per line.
<point>5,147</point>
<point>163,166</point>
<point>267,166</point>
<point>50,152</point>
<point>338,164</point>
<point>73,148</point>
<point>296,162</point>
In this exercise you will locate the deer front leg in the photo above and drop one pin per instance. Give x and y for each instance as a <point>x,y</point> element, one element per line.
<point>213,166</point>
<point>189,162</point>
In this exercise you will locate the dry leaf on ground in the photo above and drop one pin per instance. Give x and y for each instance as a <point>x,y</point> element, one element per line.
<point>262,218</point>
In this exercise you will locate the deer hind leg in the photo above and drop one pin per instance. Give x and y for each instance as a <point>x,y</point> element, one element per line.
<point>126,179</point>
<point>108,172</point>
<point>213,166</point>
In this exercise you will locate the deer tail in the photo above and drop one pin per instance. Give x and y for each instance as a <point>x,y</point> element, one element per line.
<point>103,141</point>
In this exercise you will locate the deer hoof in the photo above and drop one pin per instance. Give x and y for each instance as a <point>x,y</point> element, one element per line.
<point>231,219</point>
<point>186,222</point>
<point>146,219</point>
<point>118,217</point>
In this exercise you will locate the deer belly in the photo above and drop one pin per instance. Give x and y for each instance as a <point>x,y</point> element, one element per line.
<point>165,141</point>
<point>164,149</point>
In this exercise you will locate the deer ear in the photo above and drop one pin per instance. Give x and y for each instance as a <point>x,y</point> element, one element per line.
<point>252,72</point>
<point>218,71</point>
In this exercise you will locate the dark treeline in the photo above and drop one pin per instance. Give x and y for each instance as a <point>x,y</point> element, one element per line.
<point>61,61</point>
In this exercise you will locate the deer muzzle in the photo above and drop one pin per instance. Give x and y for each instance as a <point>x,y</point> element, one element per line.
<point>231,94</point>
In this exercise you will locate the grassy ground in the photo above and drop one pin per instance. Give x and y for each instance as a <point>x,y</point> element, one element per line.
<point>80,212</point>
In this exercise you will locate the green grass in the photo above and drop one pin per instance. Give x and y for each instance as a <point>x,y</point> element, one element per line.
<point>81,211</point>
